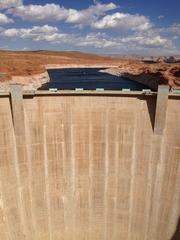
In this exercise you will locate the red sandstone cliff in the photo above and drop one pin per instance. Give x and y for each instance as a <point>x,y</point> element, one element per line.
<point>150,75</point>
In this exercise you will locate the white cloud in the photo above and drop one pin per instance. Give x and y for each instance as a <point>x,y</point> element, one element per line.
<point>134,41</point>
<point>160,17</point>
<point>175,28</point>
<point>175,37</point>
<point>54,38</point>
<point>5,4</point>
<point>148,39</point>
<point>89,15</point>
<point>48,12</point>
<point>149,42</point>
<point>32,33</point>
<point>54,12</point>
<point>93,16</point>
<point>12,32</point>
<point>4,19</point>
<point>98,40</point>
<point>123,22</point>
<point>38,33</point>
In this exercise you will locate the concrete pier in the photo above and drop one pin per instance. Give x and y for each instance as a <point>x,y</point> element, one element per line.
<point>161,109</point>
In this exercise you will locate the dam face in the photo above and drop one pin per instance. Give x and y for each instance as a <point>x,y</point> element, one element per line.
<point>88,166</point>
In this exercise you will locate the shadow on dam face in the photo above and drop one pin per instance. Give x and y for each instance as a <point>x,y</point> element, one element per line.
<point>151,106</point>
<point>88,167</point>
<point>176,235</point>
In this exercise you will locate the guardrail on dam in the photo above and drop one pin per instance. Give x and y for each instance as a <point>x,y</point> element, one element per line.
<point>89,165</point>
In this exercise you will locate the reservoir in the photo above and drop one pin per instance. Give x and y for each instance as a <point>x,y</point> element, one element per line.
<point>88,79</point>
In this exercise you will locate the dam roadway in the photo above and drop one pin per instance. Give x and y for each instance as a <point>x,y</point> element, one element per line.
<point>89,165</point>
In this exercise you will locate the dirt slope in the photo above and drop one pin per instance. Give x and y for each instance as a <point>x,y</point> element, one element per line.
<point>30,63</point>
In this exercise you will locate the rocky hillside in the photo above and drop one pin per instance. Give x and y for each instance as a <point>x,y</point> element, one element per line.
<point>149,74</point>
<point>30,63</point>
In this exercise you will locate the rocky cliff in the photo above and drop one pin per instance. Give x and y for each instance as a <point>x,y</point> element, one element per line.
<point>150,75</point>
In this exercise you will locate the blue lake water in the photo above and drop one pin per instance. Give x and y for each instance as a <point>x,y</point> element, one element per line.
<point>88,79</point>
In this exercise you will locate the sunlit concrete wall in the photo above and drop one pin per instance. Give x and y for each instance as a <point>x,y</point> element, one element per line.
<point>89,167</point>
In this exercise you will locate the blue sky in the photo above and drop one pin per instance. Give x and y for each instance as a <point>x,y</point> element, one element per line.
<point>143,27</point>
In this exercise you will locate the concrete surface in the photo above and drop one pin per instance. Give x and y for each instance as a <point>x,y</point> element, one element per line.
<point>89,167</point>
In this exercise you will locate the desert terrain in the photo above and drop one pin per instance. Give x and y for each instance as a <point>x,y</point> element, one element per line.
<point>29,68</point>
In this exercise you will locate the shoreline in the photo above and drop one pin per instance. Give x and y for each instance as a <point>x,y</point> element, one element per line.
<point>60,66</point>
<point>134,73</point>
<point>33,82</point>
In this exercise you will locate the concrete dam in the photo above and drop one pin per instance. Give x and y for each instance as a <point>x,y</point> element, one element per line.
<point>89,165</point>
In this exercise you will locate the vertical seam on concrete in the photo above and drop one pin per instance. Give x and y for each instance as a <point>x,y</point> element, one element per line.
<point>150,191</point>
<point>133,169</point>
<point>47,183</point>
<point>90,180</point>
<point>116,184</point>
<point>21,209</point>
<point>28,149</point>
<point>106,176</point>
<point>68,175</point>
<point>73,177</point>
<point>158,186</point>
<point>63,197</point>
